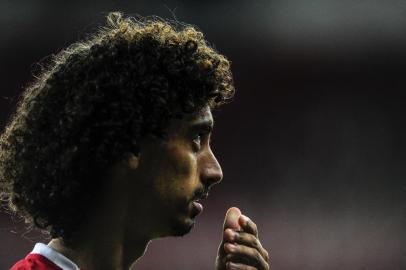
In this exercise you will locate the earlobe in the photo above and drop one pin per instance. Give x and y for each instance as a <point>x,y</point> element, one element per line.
<point>132,161</point>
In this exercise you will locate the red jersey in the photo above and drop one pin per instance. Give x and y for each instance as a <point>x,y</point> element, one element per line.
<point>45,258</point>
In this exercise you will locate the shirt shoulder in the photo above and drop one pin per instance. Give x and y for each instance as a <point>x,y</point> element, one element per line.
<point>35,262</point>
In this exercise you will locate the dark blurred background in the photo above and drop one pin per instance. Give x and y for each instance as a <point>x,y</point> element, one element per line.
<point>312,148</point>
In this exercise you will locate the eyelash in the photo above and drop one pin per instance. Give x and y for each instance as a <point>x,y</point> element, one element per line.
<point>199,137</point>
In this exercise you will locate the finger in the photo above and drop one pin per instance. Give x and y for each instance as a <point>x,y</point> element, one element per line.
<point>231,219</point>
<point>238,258</point>
<point>248,225</point>
<point>249,255</point>
<point>230,222</point>
<point>239,266</point>
<point>245,239</point>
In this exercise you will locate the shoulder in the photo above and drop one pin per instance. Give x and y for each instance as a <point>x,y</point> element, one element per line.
<point>35,262</point>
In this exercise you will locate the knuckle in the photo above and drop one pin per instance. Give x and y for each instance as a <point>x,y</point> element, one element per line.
<point>238,236</point>
<point>266,255</point>
<point>255,242</point>
<point>257,256</point>
<point>247,267</point>
<point>250,238</point>
<point>255,227</point>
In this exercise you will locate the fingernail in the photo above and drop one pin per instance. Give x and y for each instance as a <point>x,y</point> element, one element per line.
<point>232,266</point>
<point>230,247</point>
<point>231,234</point>
<point>244,219</point>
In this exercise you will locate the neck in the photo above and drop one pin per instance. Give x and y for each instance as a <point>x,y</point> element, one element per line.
<point>101,253</point>
<point>115,235</point>
<point>107,240</point>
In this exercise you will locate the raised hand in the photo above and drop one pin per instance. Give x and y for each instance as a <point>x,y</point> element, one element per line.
<point>240,248</point>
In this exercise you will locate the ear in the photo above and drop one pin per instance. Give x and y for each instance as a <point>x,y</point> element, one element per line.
<point>131,160</point>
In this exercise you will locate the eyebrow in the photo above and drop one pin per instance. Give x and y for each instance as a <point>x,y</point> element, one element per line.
<point>206,125</point>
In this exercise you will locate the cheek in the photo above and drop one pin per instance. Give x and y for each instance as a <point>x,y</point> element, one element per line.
<point>179,176</point>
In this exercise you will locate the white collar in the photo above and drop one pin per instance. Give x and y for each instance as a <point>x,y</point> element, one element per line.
<point>54,256</point>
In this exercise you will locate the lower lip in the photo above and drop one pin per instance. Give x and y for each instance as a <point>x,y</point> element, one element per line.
<point>198,207</point>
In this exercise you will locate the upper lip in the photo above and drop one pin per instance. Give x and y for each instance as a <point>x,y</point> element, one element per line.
<point>202,197</point>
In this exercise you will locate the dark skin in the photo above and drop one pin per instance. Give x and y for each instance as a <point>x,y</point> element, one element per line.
<point>157,194</point>
<point>241,247</point>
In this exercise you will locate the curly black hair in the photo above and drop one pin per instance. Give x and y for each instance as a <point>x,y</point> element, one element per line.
<point>94,103</point>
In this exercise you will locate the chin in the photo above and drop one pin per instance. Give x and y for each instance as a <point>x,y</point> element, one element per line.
<point>181,227</point>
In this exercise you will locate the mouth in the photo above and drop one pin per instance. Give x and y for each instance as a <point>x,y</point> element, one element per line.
<point>197,206</point>
<point>201,197</point>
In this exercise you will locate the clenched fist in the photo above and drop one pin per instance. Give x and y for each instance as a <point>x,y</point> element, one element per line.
<point>240,248</point>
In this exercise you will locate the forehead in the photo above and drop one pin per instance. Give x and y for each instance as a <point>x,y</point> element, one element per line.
<point>202,115</point>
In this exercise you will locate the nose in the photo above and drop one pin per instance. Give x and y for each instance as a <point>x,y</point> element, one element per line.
<point>210,170</point>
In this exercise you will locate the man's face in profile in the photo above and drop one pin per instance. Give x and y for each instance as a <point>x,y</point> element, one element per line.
<point>179,171</point>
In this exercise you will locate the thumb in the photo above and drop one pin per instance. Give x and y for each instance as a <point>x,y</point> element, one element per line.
<point>231,219</point>
<point>230,222</point>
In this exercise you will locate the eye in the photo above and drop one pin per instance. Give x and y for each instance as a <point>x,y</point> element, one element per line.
<point>198,140</point>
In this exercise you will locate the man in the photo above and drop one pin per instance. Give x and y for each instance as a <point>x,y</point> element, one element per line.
<point>110,148</point>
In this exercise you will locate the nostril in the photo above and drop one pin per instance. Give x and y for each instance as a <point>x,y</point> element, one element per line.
<point>212,176</point>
